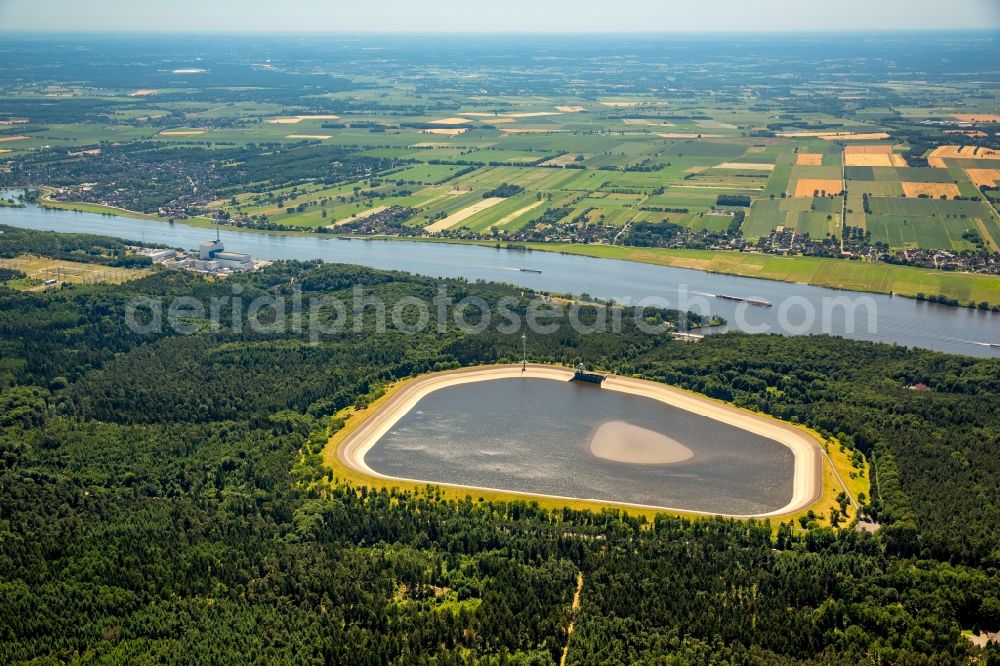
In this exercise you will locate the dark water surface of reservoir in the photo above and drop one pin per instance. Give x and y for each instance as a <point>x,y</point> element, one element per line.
<point>534,435</point>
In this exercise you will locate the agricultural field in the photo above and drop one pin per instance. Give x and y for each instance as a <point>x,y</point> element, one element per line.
<point>441,159</point>
<point>43,272</point>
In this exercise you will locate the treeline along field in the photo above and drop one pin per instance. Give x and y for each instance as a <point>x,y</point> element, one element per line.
<point>163,498</point>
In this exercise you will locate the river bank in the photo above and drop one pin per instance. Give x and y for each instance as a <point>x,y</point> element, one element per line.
<point>842,274</point>
<point>799,309</point>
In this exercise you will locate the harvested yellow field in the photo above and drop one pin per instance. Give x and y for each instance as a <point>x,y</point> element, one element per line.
<point>835,136</point>
<point>507,219</point>
<point>293,120</point>
<point>987,177</point>
<point>144,92</point>
<point>8,139</point>
<point>445,131</point>
<point>987,236</point>
<point>809,159</point>
<point>683,135</point>
<point>360,216</point>
<point>561,160</point>
<point>972,134</point>
<point>965,153</point>
<point>6,150</point>
<point>644,121</point>
<point>977,117</point>
<point>451,121</point>
<point>868,159</point>
<point>880,155</point>
<point>43,268</point>
<point>571,109</point>
<point>445,195</point>
<point>807,187</point>
<point>941,153</point>
<point>532,114</point>
<point>14,121</point>
<point>529,130</point>
<point>933,190</point>
<point>320,137</point>
<point>464,214</point>
<point>746,166</point>
<point>182,132</point>
<point>805,134</point>
<point>872,136</point>
<point>880,149</point>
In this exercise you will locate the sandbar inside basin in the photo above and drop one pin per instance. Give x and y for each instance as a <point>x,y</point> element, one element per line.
<point>626,443</point>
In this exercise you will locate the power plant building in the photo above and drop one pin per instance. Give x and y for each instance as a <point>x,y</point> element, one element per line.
<point>213,257</point>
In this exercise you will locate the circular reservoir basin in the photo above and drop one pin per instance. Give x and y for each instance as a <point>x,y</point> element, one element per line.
<point>568,439</point>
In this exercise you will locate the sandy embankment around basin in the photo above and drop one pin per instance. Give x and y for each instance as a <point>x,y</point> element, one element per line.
<point>806,483</point>
<point>808,474</point>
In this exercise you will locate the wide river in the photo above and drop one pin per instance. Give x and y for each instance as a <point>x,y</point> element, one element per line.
<point>798,309</point>
<point>535,435</point>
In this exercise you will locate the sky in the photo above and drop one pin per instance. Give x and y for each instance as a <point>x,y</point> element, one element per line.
<point>465,16</point>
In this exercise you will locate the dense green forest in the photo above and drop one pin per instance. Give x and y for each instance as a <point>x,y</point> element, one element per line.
<point>69,247</point>
<point>163,498</point>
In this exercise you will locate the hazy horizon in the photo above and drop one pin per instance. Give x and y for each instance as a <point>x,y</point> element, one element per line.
<point>517,17</point>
